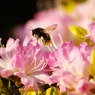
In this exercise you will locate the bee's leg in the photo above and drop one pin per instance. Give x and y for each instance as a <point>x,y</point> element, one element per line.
<point>42,39</point>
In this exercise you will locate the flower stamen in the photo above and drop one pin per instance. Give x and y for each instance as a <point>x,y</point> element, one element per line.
<point>52,46</point>
<point>60,39</point>
<point>53,43</point>
<point>48,46</point>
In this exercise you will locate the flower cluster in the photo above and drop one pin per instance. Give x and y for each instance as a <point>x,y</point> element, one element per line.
<point>69,68</point>
<point>65,66</point>
<point>26,62</point>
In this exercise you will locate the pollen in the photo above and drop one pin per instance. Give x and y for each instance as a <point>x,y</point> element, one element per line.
<point>47,43</point>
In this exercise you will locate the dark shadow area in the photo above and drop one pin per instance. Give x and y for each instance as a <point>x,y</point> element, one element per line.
<point>14,12</point>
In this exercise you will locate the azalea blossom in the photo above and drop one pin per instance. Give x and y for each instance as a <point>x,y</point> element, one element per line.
<point>8,56</point>
<point>71,65</point>
<point>68,67</point>
<point>91,34</point>
<point>26,61</point>
<point>31,64</point>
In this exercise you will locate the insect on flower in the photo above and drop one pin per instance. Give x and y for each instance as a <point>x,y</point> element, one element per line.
<point>43,34</point>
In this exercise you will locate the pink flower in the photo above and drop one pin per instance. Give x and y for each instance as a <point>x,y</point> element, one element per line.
<point>91,34</point>
<point>26,61</point>
<point>7,60</point>
<point>71,64</point>
<point>84,87</point>
<point>31,64</point>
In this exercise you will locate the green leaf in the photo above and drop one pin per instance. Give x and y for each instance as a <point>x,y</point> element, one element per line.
<point>52,91</point>
<point>63,93</point>
<point>3,89</point>
<point>79,1</point>
<point>40,92</point>
<point>8,87</point>
<point>21,91</point>
<point>88,41</point>
<point>93,57</point>
<point>78,32</point>
<point>92,68</point>
<point>30,93</point>
<point>1,83</point>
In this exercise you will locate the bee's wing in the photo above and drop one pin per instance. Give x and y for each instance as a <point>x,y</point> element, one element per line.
<point>50,28</point>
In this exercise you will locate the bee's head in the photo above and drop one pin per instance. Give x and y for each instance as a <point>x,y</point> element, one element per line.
<point>33,32</point>
<point>37,30</point>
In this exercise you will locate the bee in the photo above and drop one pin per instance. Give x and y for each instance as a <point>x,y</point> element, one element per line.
<point>43,34</point>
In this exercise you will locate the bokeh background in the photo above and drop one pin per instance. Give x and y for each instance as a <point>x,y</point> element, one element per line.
<point>18,12</point>
<point>15,12</point>
<point>16,16</point>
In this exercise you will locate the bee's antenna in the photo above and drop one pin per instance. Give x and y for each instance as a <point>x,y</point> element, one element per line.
<point>31,28</point>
